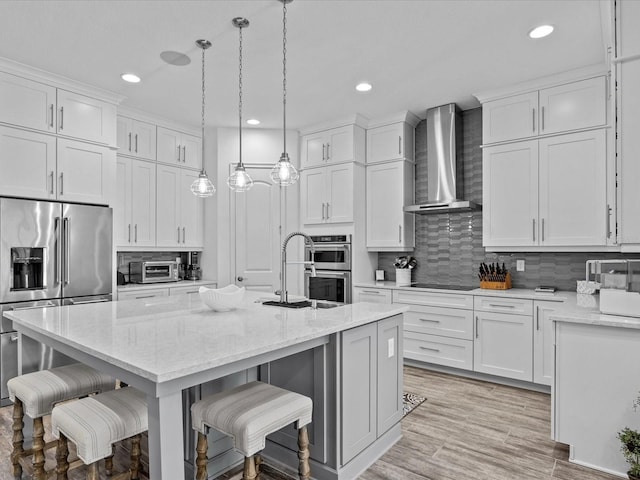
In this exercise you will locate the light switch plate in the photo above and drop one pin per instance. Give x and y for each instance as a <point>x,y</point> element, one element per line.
<point>391,348</point>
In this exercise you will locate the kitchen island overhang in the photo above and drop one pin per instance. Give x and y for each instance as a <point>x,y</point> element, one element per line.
<point>165,345</point>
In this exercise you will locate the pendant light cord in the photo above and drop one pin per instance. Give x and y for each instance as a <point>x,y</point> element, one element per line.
<point>203,99</point>
<point>240,98</point>
<point>284,76</point>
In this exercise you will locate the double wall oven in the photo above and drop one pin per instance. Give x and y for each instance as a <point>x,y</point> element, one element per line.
<point>332,259</point>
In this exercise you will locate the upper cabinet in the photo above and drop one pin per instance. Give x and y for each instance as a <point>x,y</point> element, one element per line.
<point>134,211</point>
<point>30,104</point>
<point>327,194</point>
<point>136,138</point>
<point>335,145</point>
<point>391,142</point>
<point>179,148</point>
<point>563,108</point>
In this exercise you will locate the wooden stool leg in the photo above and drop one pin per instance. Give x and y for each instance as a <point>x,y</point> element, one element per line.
<point>135,457</point>
<point>201,458</point>
<point>38,450</point>
<point>304,470</point>
<point>62,454</point>
<point>249,472</point>
<point>18,438</point>
<point>92,472</point>
<point>258,460</point>
<point>108,464</point>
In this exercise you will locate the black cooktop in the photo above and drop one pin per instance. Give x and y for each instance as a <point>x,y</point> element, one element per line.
<point>464,288</point>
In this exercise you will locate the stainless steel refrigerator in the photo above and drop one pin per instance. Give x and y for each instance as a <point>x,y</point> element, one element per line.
<point>51,254</point>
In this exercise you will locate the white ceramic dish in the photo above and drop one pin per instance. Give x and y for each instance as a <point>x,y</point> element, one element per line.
<point>222,299</point>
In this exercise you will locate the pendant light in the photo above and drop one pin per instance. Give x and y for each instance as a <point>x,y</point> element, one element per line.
<point>202,186</point>
<point>239,180</point>
<point>284,173</point>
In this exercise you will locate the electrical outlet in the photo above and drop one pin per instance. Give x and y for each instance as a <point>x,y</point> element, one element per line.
<point>520,265</point>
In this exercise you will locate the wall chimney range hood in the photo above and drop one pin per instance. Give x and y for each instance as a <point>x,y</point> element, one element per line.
<point>443,130</point>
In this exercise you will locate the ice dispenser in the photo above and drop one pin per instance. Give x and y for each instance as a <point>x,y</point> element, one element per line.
<point>619,285</point>
<point>27,266</point>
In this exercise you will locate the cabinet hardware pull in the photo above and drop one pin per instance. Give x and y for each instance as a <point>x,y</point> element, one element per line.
<point>129,228</point>
<point>537,317</point>
<point>323,152</point>
<point>178,153</point>
<point>61,182</point>
<point>328,211</point>
<point>136,143</point>
<point>328,159</point>
<point>184,154</point>
<point>61,117</point>
<point>430,349</point>
<point>51,175</point>
<point>135,230</point>
<point>145,296</point>
<point>51,108</point>
<point>477,332</point>
<point>542,129</point>
<point>184,235</point>
<point>533,224</point>
<point>533,120</point>
<point>373,292</point>
<point>542,234</point>
<point>178,234</point>
<point>501,306</point>
<point>399,233</point>
<point>429,320</point>
<point>129,141</point>
<point>608,221</point>
<point>399,145</point>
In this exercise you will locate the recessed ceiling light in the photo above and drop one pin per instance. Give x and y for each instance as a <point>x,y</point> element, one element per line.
<point>130,77</point>
<point>541,31</point>
<point>253,121</point>
<point>175,58</point>
<point>363,87</point>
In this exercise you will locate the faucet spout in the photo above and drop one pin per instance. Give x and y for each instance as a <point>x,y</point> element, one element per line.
<point>284,296</point>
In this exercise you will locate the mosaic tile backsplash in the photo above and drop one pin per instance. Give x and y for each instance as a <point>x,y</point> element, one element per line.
<point>449,245</point>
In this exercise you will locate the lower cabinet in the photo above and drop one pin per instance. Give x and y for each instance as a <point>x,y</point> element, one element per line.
<point>373,295</point>
<point>146,293</point>
<point>543,355</point>
<point>371,386</point>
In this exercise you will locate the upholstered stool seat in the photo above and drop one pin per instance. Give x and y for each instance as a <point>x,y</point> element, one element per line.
<point>36,394</point>
<point>95,423</point>
<point>248,414</point>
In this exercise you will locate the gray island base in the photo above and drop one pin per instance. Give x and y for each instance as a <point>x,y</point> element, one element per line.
<point>347,359</point>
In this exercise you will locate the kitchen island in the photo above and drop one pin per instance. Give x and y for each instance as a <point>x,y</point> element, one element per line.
<point>163,346</point>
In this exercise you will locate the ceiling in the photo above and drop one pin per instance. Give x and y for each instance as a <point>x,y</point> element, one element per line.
<point>416,53</point>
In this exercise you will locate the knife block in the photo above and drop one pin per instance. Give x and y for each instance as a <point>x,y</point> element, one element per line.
<point>506,285</point>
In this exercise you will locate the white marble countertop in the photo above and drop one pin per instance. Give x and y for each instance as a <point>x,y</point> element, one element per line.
<point>164,338</point>
<point>129,287</point>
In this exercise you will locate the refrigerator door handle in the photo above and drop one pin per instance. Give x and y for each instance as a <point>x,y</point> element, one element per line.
<point>67,252</point>
<point>58,252</point>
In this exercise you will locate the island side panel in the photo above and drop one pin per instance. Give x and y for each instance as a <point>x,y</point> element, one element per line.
<point>390,381</point>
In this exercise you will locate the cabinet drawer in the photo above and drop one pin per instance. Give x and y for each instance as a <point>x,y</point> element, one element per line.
<point>189,289</point>
<point>433,299</point>
<point>148,293</point>
<point>503,305</point>
<point>375,295</point>
<point>451,352</point>
<point>448,322</point>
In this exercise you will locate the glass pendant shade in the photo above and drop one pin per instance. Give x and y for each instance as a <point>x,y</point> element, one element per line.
<point>239,180</point>
<point>202,186</point>
<point>284,173</point>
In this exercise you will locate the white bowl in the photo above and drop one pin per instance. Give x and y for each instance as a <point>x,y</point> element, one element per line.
<point>222,299</point>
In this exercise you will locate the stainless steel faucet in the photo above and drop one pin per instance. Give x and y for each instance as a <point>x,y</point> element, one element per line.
<point>284,296</point>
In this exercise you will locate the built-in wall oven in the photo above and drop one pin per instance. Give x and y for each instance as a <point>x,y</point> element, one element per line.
<point>332,261</point>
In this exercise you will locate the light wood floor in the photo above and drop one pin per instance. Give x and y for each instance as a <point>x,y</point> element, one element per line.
<point>466,429</point>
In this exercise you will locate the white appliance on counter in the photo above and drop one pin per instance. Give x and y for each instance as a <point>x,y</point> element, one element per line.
<point>51,254</point>
<point>619,281</point>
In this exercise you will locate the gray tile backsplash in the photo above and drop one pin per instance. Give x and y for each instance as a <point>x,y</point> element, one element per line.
<point>449,245</point>
<point>124,258</point>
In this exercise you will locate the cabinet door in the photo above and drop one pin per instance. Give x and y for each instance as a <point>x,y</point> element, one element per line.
<point>169,146</point>
<point>510,118</point>
<point>388,142</point>
<point>124,135</point>
<point>26,103</point>
<point>312,186</point>
<point>191,151</point>
<point>143,140</point>
<point>572,189</point>
<point>372,295</point>
<point>359,390</point>
<point>27,164</point>
<point>191,212</point>
<point>510,195</point>
<point>122,206</point>
<point>503,345</point>
<point>146,293</point>
<point>339,146</point>
<point>390,360</point>
<point>313,150</point>
<point>572,106</point>
<point>339,193</point>
<point>543,354</point>
<point>389,189</point>
<point>143,203</point>
<point>84,117</point>
<point>83,172</point>
<point>168,206</point>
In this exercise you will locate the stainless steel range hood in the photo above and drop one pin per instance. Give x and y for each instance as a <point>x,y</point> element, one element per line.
<point>443,130</point>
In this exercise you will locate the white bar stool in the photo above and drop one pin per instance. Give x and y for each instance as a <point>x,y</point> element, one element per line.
<point>248,414</point>
<point>36,394</point>
<point>94,424</point>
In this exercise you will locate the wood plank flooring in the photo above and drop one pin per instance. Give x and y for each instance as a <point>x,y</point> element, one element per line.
<point>466,429</point>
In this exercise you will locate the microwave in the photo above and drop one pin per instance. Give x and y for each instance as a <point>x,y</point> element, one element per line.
<point>153,272</point>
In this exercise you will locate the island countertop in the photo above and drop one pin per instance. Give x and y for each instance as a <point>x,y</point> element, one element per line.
<point>164,338</point>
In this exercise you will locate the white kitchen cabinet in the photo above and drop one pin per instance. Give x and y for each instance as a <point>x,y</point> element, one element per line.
<point>136,138</point>
<point>189,289</point>
<point>86,118</point>
<point>84,172</point>
<point>373,295</point>
<point>562,108</point>
<point>543,353</point>
<point>503,343</point>
<point>548,192</point>
<point>145,293</point>
<point>390,142</point>
<point>390,187</point>
<point>335,145</point>
<point>178,148</point>
<point>26,103</point>
<point>134,213</point>
<point>327,194</point>
<point>180,213</point>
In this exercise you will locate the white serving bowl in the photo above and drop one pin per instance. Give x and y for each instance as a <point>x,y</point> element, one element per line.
<point>222,299</point>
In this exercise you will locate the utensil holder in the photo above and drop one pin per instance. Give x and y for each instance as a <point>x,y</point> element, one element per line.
<point>403,277</point>
<point>506,285</point>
